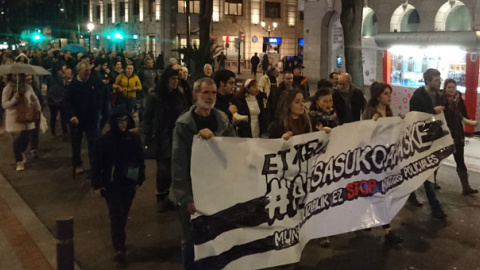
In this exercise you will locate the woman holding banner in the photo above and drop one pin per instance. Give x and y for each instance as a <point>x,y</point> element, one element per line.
<point>292,116</point>
<point>379,106</point>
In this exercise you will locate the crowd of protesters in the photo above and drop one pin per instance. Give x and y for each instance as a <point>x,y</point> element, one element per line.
<point>117,98</point>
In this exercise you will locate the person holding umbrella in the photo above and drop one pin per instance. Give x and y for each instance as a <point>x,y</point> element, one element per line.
<point>15,93</point>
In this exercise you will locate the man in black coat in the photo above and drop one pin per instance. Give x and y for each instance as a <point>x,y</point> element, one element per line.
<point>428,100</point>
<point>255,60</point>
<point>348,100</point>
<point>82,107</point>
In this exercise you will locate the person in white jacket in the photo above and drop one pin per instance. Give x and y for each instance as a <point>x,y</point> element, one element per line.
<point>16,91</point>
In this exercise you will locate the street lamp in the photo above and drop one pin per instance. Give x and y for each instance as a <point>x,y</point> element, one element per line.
<point>269,28</point>
<point>90,27</point>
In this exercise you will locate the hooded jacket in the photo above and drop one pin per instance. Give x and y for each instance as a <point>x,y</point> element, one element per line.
<point>118,157</point>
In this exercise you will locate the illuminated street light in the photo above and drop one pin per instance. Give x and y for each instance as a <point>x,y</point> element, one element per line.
<point>90,27</point>
<point>269,28</point>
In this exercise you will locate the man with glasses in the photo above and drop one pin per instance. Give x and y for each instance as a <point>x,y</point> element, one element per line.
<point>225,82</point>
<point>427,99</point>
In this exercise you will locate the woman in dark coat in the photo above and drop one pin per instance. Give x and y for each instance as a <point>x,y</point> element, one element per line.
<point>118,168</point>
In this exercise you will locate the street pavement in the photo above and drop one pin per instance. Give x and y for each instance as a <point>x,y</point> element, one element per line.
<point>153,239</point>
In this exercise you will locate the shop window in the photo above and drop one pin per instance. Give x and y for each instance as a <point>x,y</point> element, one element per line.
<point>121,7</point>
<point>234,7</point>
<point>272,10</point>
<point>194,7</point>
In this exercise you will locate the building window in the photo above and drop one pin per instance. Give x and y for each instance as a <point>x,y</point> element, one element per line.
<point>136,7</point>
<point>85,10</point>
<point>234,7</point>
<point>194,6</point>
<point>151,7</point>
<point>272,10</point>
<point>301,16</point>
<point>109,10</point>
<point>121,6</point>
<point>97,13</point>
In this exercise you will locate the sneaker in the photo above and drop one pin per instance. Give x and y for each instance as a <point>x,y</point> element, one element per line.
<point>324,242</point>
<point>414,201</point>
<point>119,256</point>
<point>20,166</point>
<point>79,170</point>
<point>439,214</point>
<point>34,154</point>
<point>393,238</point>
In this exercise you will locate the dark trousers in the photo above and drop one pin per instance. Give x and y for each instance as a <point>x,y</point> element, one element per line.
<point>164,177</point>
<point>20,143</point>
<point>431,195</point>
<point>90,130</point>
<point>459,158</point>
<point>54,110</point>
<point>119,203</point>
<point>34,136</point>
<point>188,252</point>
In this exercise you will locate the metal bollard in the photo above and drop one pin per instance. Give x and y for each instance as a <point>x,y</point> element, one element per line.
<point>65,255</point>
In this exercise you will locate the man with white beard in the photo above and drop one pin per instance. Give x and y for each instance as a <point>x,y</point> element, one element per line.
<point>206,122</point>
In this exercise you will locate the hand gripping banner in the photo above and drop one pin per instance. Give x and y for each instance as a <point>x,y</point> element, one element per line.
<point>260,201</point>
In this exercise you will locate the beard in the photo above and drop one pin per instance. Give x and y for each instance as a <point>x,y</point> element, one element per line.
<point>203,105</point>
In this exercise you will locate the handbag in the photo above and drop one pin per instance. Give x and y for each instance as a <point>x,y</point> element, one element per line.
<point>26,113</point>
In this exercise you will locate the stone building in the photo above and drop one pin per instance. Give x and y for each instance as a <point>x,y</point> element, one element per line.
<point>161,25</point>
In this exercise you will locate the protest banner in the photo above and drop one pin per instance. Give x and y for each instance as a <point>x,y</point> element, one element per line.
<point>260,201</point>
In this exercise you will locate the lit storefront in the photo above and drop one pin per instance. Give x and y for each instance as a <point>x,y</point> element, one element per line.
<point>408,55</point>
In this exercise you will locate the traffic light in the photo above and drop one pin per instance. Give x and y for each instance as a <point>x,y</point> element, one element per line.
<point>37,36</point>
<point>117,34</point>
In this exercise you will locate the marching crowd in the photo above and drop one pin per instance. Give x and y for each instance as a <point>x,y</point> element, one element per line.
<point>153,111</point>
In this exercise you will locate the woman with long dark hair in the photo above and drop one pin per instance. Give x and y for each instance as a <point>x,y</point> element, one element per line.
<point>379,103</point>
<point>292,119</point>
<point>379,106</point>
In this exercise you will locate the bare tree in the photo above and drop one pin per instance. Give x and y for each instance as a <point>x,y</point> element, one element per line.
<point>351,20</point>
<point>206,11</point>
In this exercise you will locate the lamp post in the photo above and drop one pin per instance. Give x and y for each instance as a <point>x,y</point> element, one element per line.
<point>269,28</point>
<point>90,27</point>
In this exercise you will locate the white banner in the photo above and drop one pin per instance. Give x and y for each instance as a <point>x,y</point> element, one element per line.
<point>260,201</point>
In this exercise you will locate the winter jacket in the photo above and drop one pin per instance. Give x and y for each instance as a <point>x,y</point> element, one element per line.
<point>83,100</point>
<point>118,157</point>
<point>162,109</point>
<point>124,85</point>
<point>421,101</point>
<point>9,103</point>
<point>183,133</point>
<point>244,128</point>
<point>357,103</point>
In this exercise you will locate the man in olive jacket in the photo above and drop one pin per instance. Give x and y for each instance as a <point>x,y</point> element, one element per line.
<point>206,122</point>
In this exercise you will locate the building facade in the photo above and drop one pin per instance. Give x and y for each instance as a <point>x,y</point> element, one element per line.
<point>239,26</point>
